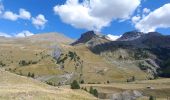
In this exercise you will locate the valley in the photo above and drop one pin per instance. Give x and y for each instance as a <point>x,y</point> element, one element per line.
<point>84,49</point>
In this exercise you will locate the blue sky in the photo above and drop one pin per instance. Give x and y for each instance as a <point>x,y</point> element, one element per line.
<point>57,21</point>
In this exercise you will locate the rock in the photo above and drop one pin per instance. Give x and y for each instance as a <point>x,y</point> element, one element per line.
<point>127,95</point>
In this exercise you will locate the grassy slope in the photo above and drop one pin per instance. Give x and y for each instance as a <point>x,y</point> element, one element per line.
<point>103,70</point>
<point>96,69</point>
<point>38,47</point>
<point>15,87</point>
<point>161,88</point>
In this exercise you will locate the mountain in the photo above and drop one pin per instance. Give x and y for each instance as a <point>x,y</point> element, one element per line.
<point>52,59</point>
<point>49,37</point>
<point>135,35</point>
<point>85,37</point>
<point>139,40</point>
<point>139,46</point>
<point>93,59</point>
<point>132,35</point>
<point>61,62</point>
<point>91,38</point>
<point>151,49</point>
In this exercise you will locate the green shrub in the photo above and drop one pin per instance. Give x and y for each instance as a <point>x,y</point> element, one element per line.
<point>93,92</point>
<point>131,79</point>
<point>2,64</point>
<point>85,89</point>
<point>75,85</point>
<point>152,98</point>
<point>82,81</point>
<point>50,83</point>
<point>29,74</point>
<point>32,75</point>
<point>23,63</point>
<point>26,63</point>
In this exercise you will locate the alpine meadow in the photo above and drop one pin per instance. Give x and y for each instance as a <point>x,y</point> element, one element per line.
<point>85,50</point>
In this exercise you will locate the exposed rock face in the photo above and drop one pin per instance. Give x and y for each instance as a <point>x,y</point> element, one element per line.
<point>126,95</point>
<point>56,52</point>
<point>132,35</point>
<point>91,39</point>
<point>137,46</point>
<point>85,37</point>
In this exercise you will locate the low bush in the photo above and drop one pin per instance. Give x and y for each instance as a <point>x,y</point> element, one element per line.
<point>75,85</point>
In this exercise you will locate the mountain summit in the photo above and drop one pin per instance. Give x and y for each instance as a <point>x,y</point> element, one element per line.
<point>85,37</point>
<point>91,38</point>
<point>132,35</point>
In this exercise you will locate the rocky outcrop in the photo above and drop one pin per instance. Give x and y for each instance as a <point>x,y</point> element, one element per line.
<point>85,37</point>
<point>126,95</point>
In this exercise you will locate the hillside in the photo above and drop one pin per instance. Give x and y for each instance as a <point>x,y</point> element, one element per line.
<point>15,87</point>
<point>139,90</point>
<point>52,59</point>
<point>56,59</point>
<point>150,49</point>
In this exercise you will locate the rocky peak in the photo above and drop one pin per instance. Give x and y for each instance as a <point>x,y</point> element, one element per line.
<point>85,37</point>
<point>132,35</point>
<point>154,34</point>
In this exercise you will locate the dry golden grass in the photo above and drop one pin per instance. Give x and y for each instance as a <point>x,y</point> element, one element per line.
<point>94,64</point>
<point>159,88</point>
<point>35,47</point>
<point>15,87</point>
<point>95,69</point>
